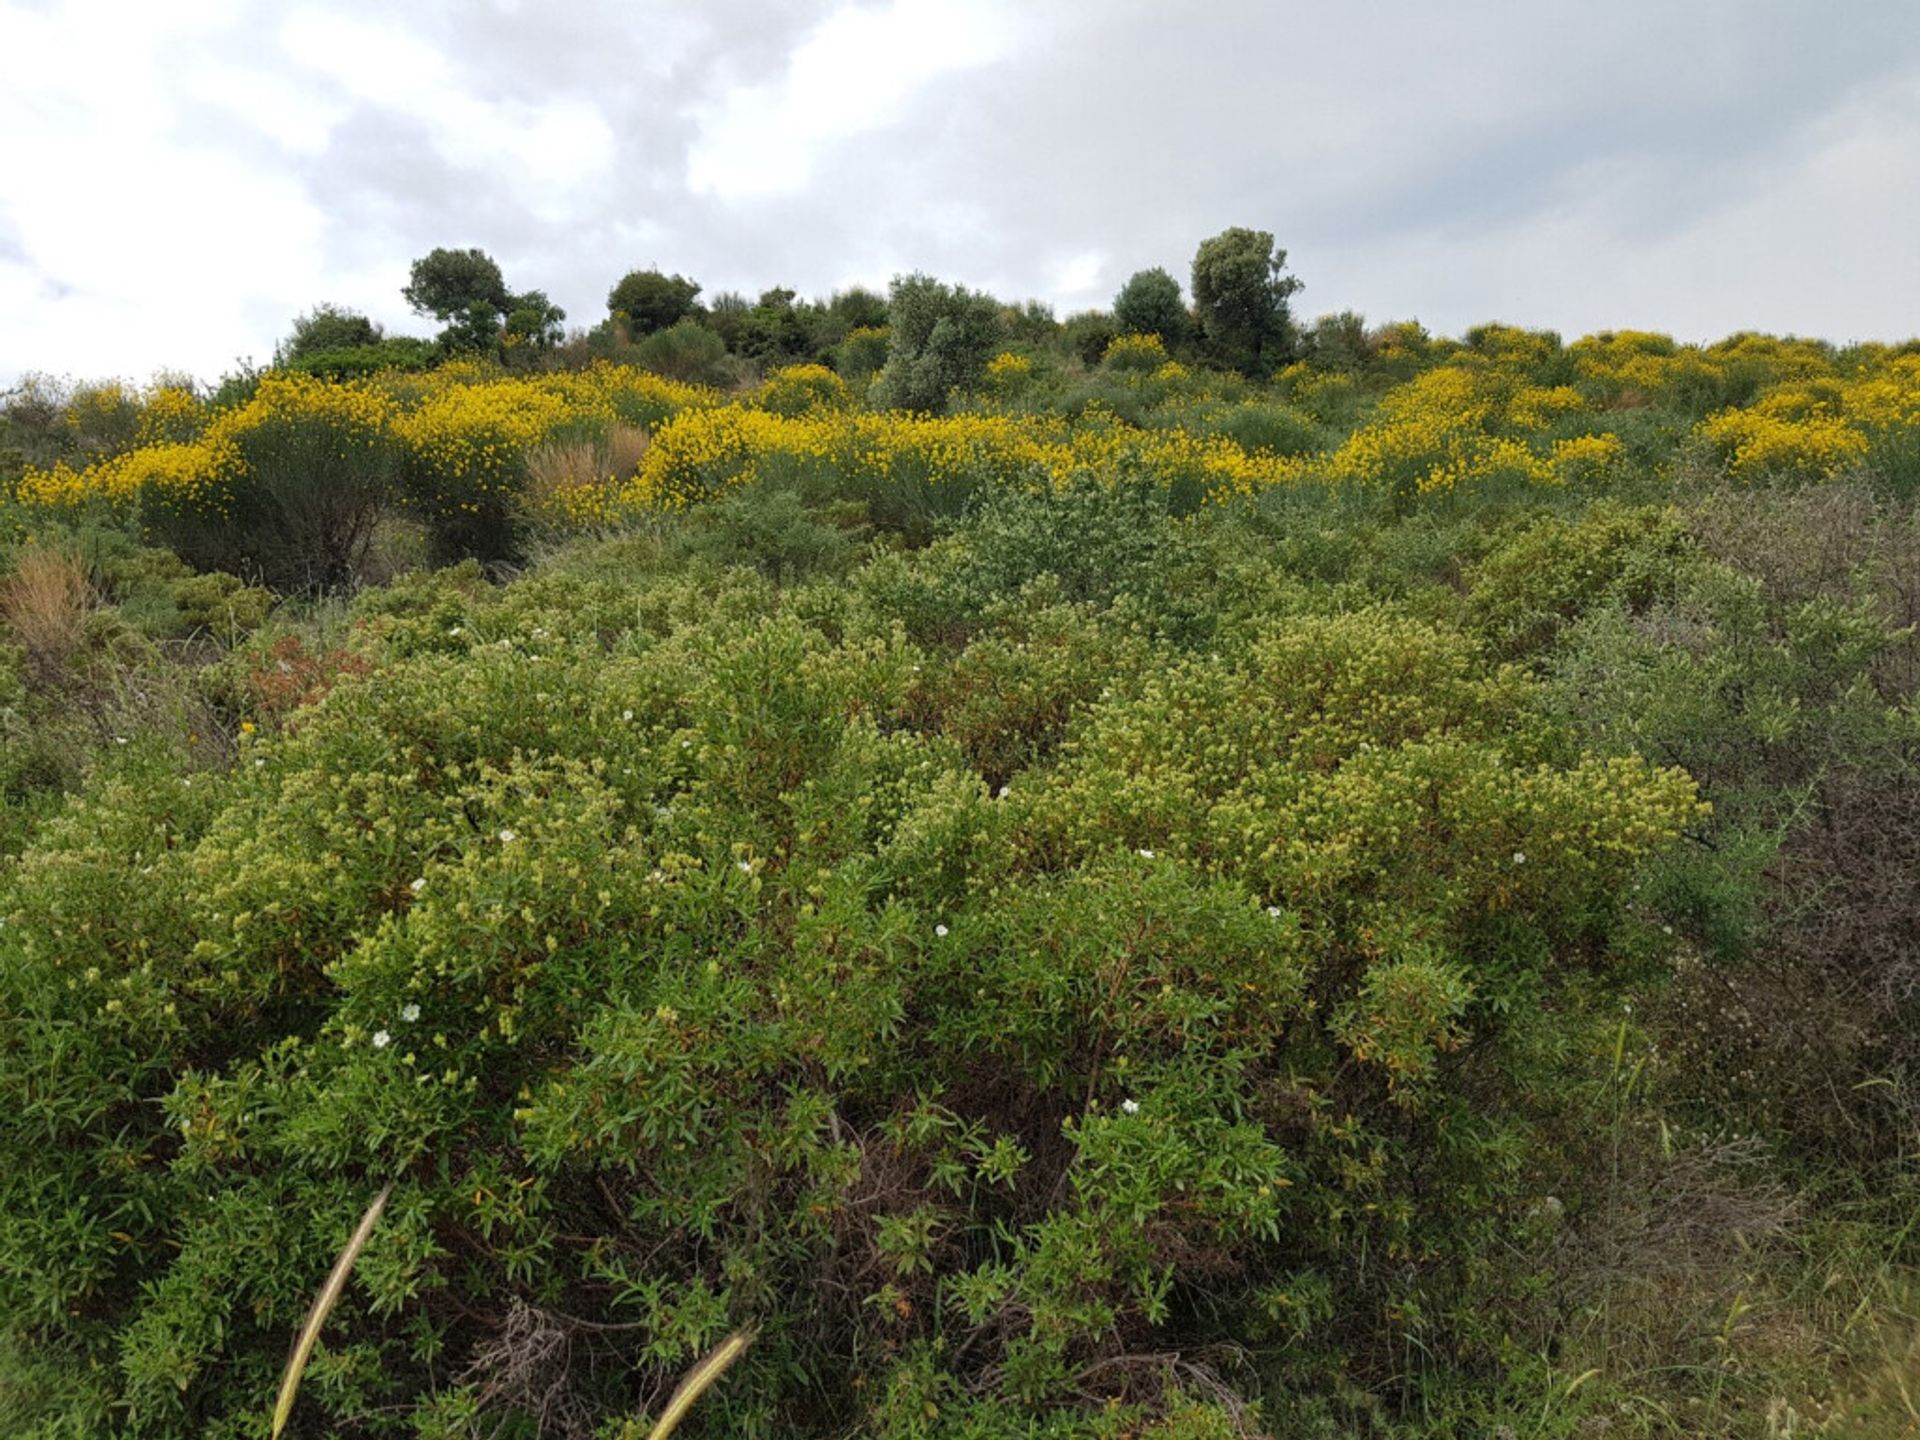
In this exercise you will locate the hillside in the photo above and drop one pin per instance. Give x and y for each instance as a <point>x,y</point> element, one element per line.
<point>1075,889</point>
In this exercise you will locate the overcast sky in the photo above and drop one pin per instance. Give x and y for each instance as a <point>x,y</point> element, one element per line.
<point>180,178</point>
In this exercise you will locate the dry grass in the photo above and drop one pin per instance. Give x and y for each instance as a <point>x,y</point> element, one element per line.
<point>45,601</point>
<point>567,467</point>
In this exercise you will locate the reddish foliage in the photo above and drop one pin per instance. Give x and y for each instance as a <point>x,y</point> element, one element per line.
<point>289,676</point>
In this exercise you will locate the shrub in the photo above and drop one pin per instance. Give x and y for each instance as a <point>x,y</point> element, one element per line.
<point>687,351</point>
<point>1135,352</point>
<point>287,487</point>
<point>939,339</point>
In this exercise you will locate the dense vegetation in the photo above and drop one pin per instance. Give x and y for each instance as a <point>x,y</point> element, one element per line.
<point>1164,875</point>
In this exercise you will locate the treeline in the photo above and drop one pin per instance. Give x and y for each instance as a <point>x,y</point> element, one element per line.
<point>925,339</point>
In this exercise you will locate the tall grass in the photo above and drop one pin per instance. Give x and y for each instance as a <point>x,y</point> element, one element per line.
<point>45,601</point>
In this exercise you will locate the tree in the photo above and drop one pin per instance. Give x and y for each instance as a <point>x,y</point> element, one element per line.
<point>534,321</point>
<point>651,300</point>
<point>940,338</point>
<point>1240,298</point>
<point>1150,304</point>
<point>327,327</point>
<point>774,331</point>
<point>448,284</point>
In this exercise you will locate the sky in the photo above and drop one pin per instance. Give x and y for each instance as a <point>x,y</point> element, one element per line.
<point>179,179</point>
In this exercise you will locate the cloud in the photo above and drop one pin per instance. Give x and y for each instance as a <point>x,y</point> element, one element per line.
<point>183,179</point>
<point>853,75</point>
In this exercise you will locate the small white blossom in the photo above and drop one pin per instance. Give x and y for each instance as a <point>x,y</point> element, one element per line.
<point>1273,912</point>
<point>940,931</point>
<point>257,763</point>
<point>410,1013</point>
<point>418,885</point>
<point>746,867</point>
<point>1146,854</point>
<point>1131,1107</point>
<point>626,714</point>
<point>454,629</point>
<point>1005,790</point>
<point>507,837</point>
<point>1519,857</point>
<point>119,739</point>
<point>381,1039</point>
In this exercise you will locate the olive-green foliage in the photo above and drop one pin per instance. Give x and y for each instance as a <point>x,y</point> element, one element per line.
<point>1240,295</point>
<point>649,300</point>
<point>1012,959</point>
<point>939,339</point>
<point>329,327</point>
<point>1150,304</point>
<point>1060,964</point>
<point>402,353</point>
<point>1088,334</point>
<point>449,284</point>
<point>686,351</point>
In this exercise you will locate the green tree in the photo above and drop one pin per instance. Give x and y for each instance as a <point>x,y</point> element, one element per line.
<point>448,284</point>
<point>327,327</point>
<point>1240,297</point>
<point>534,322</point>
<point>940,338</point>
<point>651,300</point>
<point>774,331</point>
<point>1150,304</point>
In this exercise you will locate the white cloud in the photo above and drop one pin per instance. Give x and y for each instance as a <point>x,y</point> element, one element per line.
<point>855,74</point>
<point>542,151</point>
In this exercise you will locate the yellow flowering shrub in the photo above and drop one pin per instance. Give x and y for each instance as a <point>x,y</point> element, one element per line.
<point>1006,371</point>
<point>797,389</point>
<point>1135,352</point>
<point>170,415</point>
<point>1757,442</point>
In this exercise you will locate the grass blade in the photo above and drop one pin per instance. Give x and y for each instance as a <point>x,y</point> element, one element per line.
<point>698,1379</point>
<point>323,1304</point>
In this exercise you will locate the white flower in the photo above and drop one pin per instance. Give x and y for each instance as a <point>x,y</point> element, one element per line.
<point>1005,790</point>
<point>1273,912</point>
<point>119,739</point>
<point>746,867</point>
<point>626,714</point>
<point>1146,854</point>
<point>941,931</point>
<point>453,630</point>
<point>256,764</point>
<point>418,885</point>
<point>381,1039</point>
<point>686,744</point>
<point>1131,1107</point>
<point>1519,857</point>
<point>410,1013</point>
<point>507,837</point>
